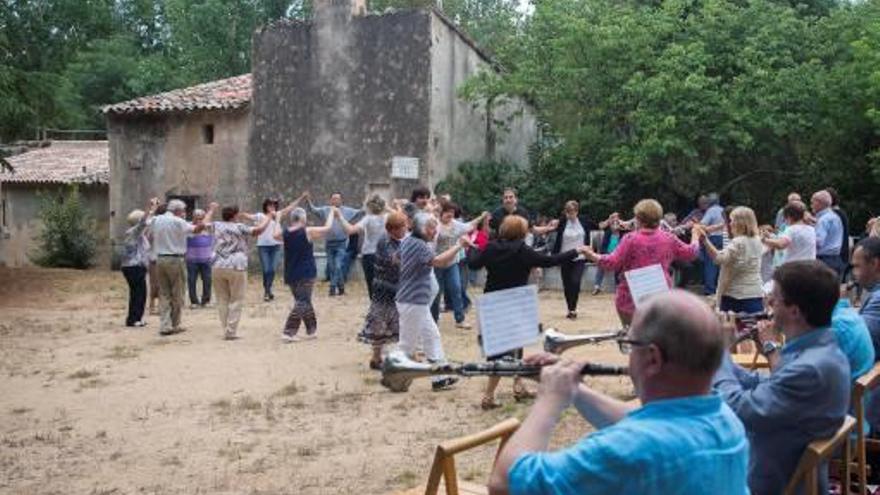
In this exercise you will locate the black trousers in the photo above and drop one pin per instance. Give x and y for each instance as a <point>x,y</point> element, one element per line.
<point>369,262</point>
<point>136,276</point>
<point>572,272</point>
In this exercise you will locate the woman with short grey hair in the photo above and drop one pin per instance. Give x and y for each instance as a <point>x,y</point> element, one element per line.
<point>300,269</point>
<point>135,260</point>
<point>417,288</point>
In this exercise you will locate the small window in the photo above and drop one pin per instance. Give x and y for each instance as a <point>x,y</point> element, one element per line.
<point>208,134</point>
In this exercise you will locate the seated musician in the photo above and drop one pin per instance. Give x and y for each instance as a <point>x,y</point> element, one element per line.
<point>806,395</point>
<point>682,440</point>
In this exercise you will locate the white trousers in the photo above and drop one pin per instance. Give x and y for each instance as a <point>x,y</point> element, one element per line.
<point>418,330</point>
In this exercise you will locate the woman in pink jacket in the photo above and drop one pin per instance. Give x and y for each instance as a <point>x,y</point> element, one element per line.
<point>645,247</point>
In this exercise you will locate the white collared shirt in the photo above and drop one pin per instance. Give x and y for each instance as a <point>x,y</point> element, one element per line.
<point>169,234</point>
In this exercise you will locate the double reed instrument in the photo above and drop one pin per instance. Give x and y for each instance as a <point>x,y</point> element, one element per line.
<point>556,342</point>
<point>398,370</point>
<point>746,325</point>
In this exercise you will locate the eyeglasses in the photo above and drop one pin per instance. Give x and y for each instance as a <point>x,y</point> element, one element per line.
<point>626,345</point>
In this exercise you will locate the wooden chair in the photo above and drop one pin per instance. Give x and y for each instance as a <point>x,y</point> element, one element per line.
<point>443,467</point>
<point>818,451</point>
<point>865,383</point>
<point>750,361</point>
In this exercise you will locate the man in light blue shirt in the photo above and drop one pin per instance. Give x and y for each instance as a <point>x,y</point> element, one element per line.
<point>713,220</point>
<point>806,396</point>
<point>829,232</point>
<point>853,338</point>
<point>336,243</point>
<point>683,440</point>
<point>866,271</point>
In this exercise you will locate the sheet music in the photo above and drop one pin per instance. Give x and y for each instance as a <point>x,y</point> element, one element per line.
<point>646,281</point>
<point>508,319</point>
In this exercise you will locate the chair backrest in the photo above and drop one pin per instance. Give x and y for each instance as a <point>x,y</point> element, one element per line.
<point>863,384</point>
<point>817,452</point>
<point>444,461</point>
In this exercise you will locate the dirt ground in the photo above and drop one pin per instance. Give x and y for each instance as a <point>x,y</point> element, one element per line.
<point>88,406</point>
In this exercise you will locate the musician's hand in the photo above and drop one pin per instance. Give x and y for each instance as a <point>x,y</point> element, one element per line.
<point>541,359</point>
<point>766,331</point>
<point>559,383</point>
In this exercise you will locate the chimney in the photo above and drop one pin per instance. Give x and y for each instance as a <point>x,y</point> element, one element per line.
<point>351,8</point>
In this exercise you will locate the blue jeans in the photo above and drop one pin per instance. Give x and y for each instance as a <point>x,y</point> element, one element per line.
<point>336,256</point>
<point>710,269</point>
<point>194,270</point>
<point>449,280</point>
<point>268,262</point>
<point>599,279</point>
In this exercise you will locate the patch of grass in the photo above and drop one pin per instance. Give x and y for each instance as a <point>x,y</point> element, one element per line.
<point>294,404</point>
<point>290,389</point>
<point>371,380</point>
<point>248,403</point>
<point>472,474</point>
<point>304,451</point>
<point>234,451</point>
<point>123,352</point>
<point>82,374</point>
<point>406,478</point>
<point>171,461</point>
<point>92,383</point>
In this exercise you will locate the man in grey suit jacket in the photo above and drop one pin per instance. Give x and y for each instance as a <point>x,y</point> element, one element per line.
<point>806,396</point>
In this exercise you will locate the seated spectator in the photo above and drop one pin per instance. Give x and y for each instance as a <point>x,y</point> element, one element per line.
<point>682,440</point>
<point>806,395</point>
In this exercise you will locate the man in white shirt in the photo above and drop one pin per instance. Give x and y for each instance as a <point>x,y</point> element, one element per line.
<point>170,231</point>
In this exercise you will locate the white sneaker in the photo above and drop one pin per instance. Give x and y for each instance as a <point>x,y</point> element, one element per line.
<point>289,339</point>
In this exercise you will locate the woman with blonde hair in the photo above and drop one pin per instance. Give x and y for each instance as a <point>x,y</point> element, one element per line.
<point>508,261</point>
<point>740,288</point>
<point>648,245</point>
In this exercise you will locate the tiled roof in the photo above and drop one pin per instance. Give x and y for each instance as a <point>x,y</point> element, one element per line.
<point>62,162</point>
<point>225,94</point>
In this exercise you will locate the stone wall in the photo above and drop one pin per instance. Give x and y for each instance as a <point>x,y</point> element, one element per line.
<point>334,100</point>
<point>20,240</point>
<point>168,156</point>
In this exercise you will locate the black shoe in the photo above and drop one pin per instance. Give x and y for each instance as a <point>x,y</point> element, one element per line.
<point>572,315</point>
<point>332,291</point>
<point>271,296</point>
<point>266,298</point>
<point>444,384</point>
<point>341,290</point>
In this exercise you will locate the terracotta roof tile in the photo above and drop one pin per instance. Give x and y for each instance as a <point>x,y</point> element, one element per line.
<point>62,162</point>
<point>225,94</point>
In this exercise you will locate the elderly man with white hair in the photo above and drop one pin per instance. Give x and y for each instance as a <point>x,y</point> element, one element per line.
<point>829,232</point>
<point>170,231</point>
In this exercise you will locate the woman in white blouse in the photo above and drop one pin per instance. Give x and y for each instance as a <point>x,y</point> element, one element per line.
<point>739,283</point>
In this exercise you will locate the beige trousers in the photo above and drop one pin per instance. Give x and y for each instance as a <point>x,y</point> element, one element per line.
<point>171,275</point>
<point>229,289</point>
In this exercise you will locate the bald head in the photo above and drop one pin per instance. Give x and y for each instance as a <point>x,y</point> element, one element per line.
<point>684,328</point>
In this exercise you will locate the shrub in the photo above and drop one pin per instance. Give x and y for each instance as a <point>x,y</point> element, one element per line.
<point>67,239</point>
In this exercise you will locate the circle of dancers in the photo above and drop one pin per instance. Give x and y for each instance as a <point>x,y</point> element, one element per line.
<point>798,292</point>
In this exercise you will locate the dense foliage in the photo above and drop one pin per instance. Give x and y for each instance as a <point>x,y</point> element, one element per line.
<point>67,239</point>
<point>750,98</point>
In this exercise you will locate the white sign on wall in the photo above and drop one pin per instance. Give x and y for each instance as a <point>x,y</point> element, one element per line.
<point>404,167</point>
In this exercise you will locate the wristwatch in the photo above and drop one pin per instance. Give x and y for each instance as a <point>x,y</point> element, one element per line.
<point>770,347</point>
